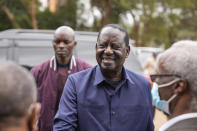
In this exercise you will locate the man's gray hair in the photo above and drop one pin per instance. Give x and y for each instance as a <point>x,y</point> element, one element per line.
<point>17,91</point>
<point>181,59</point>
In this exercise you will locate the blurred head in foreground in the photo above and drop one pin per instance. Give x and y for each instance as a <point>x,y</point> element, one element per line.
<point>17,98</point>
<point>177,79</point>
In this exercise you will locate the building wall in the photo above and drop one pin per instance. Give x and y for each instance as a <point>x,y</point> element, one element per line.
<point>53,4</point>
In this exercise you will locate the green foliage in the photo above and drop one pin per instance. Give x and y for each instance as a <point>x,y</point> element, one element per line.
<point>162,27</point>
<point>155,22</point>
<point>4,22</point>
<point>48,20</point>
<point>19,11</point>
<point>66,14</point>
<point>110,10</point>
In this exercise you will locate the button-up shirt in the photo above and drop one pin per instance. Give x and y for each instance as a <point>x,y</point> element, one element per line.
<point>89,103</point>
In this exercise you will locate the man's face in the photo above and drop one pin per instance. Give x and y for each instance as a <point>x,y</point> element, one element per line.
<point>63,45</point>
<point>165,92</point>
<point>111,49</point>
<point>169,82</point>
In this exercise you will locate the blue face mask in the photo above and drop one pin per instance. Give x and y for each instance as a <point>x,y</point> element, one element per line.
<point>162,104</point>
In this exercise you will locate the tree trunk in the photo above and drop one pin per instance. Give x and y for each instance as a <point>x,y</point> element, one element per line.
<point>105,11</point>
<point>33,14</point>
<point>31,9</point>
<point>136,29</point>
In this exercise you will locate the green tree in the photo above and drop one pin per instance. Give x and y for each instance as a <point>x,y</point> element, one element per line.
<point>66,14</point>
<point>20,13</point>
<point>158,22</point>
<point>110,12</point>
<point>26,14</point>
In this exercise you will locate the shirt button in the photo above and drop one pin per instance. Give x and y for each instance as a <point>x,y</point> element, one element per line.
<point>113,113</point>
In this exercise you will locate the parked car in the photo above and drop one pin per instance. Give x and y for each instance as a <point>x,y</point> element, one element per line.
<point>31,47</point>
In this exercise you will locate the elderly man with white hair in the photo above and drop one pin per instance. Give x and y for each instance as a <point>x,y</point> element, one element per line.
<point>176,93</point>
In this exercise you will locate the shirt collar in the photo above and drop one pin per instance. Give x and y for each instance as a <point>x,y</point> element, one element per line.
<point>54,64</point>
<point>127,77</point>
<point>100,78</point>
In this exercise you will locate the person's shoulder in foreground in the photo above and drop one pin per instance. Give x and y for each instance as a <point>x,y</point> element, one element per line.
<point>185,122</point>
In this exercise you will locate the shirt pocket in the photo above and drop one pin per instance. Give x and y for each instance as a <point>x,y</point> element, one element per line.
<point>92,108</point>
<point>93,113</point>
<point>134,114</point>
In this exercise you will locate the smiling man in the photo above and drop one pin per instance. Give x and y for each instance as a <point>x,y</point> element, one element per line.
<point>51,75</point>
<point>107,97</point>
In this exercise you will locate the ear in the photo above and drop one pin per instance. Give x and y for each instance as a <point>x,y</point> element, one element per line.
<point>53,44</point>
<point>33,117</point>
<point>75,43</point>
<point>96,46</point>
<point>127,51</point>
<point>181,86</point>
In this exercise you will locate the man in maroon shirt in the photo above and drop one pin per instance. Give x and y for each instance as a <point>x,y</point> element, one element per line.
<point>51,75</point>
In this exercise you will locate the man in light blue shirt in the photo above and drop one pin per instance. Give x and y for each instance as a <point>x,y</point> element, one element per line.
<point>107,97</point>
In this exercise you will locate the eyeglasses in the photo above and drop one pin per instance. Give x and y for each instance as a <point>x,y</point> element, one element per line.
<point>160,78</point>
<point>157,76</point>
